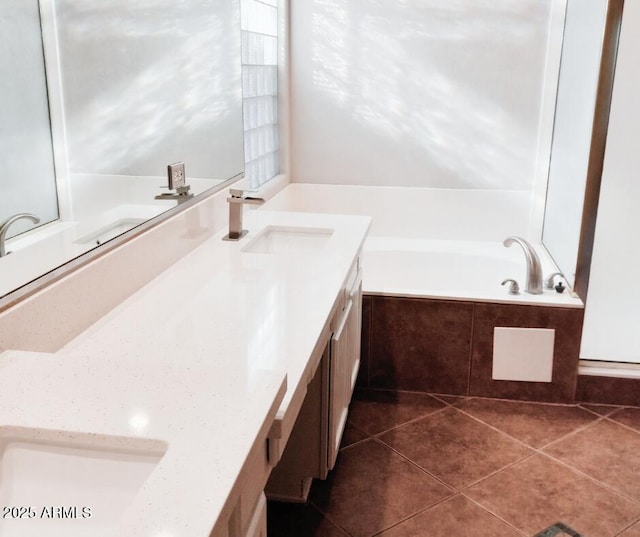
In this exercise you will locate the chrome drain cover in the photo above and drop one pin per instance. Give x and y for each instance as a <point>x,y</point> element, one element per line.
<point>559,530</point>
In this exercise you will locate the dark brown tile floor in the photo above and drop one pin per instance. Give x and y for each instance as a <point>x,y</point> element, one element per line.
<point>416,465</point>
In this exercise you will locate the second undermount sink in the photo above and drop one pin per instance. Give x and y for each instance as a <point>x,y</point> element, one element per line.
<point>110,231</point>
<point>71,487</point>
<point>289,240</point>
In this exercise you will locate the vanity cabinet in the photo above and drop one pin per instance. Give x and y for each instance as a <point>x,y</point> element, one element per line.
<point>313,445</point>
<point>258,525</point>
<point>248,517</point>
<point>344,359</point>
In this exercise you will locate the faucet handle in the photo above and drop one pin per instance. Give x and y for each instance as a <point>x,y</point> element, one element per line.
<point>239,194</point>
<point>514,288</point>
<point>548,283</point>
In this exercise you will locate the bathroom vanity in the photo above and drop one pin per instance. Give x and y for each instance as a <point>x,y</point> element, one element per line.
<point>314,439</point>
<point>195,382</point>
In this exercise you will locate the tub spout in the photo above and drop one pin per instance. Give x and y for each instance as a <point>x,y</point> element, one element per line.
<point>534,268</point>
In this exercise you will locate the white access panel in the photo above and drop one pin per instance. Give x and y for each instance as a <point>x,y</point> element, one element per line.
<point>524,354</point>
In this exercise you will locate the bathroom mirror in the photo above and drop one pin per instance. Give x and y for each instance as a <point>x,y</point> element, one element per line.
<point>103,97</point>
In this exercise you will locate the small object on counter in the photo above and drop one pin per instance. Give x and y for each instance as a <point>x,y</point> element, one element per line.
<point>559,287</point>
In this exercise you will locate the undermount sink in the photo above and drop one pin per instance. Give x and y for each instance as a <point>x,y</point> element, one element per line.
<point>68,487</point>
<point>288,240</point>
<point>110,231</point>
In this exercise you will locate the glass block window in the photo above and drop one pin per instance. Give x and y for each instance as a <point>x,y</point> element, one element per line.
<point>259,24</point>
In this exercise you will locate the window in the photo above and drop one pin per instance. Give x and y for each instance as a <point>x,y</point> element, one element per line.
<point>259,25</point>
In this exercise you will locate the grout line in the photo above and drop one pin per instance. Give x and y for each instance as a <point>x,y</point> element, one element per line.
<point>627,527</point>
<point>526,401</point>
<point>614,409</point>
<point>413,420</point>
<point>418,513</point>
<point>495,472</point>
<point>540,449</point>
<point>488,510</point>
<point>416,392</point>
<point>503,433</point>
<point>533,451</point>
<point>463,491</point>
<point>592,479</point>
<point>570,434</point>
<point>452,488</point>
<point>399,425</point>
<point>330,519</point>
<point>440,396</point>
<point>628,427</point>
<point>357,442</point>
<point>317,508</point>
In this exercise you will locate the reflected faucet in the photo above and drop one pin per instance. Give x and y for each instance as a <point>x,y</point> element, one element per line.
<point>534,268</point>
<point>236,201</point>
<point>4,227</point>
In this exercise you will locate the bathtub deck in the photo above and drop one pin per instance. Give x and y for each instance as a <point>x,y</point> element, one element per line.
<point>434,242</point>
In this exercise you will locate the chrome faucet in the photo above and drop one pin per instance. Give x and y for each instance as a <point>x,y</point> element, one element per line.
<point>4,227</point>
<point>534,268</point>
<point>236,201</point>
<point>178,181</point>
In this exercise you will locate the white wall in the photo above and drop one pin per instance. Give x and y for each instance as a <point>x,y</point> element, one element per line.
<point>27,178</point>
<point>429,93</point>
<point>416,213</point>
<point>612,314</point>
<point>581,55</point>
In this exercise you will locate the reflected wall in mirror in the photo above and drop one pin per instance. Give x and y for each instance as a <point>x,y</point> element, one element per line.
<point>26,150</point>
<point>131,88</point>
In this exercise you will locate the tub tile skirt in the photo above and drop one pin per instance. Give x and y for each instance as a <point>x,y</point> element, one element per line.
<point>559,530</point>
<point>444,346</point>
<point>608,390</point>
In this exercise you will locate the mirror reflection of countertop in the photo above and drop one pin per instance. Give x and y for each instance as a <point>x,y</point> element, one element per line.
<point>193,366</point>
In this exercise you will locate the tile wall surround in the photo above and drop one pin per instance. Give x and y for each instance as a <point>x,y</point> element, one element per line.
<point>608,390</point>
<point>440,346</point>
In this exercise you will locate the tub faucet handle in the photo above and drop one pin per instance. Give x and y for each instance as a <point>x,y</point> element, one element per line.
<point>514,288</point>
<point>548,283</point>
<point>534,268</point>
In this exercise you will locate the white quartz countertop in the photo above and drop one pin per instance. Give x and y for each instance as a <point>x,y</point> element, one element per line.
<point>202,422</point>
<point>196,361</point>
<point>247,311</point>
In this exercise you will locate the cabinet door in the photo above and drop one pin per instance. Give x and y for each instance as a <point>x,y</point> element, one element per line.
<point>339,381</point>
<point>355,332</point>
<point>258,525</point>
